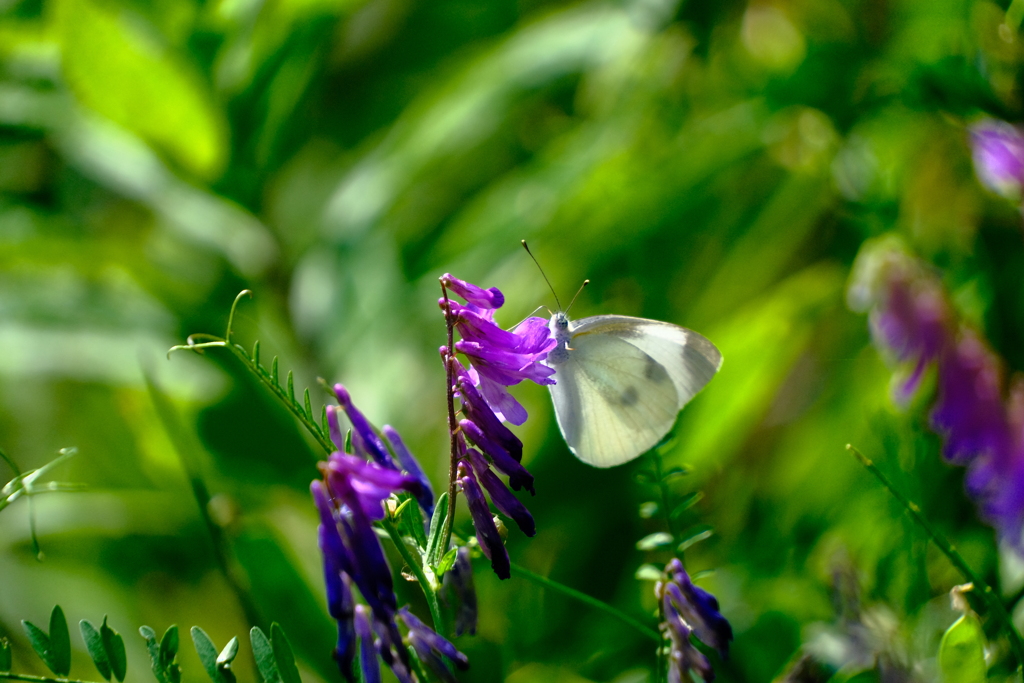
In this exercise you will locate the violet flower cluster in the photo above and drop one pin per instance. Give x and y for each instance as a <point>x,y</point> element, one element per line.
<point>499,359</point>
<point>688,610</point>
<point>998,150</point>
<point>349,499</point>
<point>982,428</point>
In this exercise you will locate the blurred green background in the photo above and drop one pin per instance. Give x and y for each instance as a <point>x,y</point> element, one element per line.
<point>712,164</point>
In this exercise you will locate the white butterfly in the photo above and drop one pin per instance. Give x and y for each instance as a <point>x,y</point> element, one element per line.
<point>622,381</point>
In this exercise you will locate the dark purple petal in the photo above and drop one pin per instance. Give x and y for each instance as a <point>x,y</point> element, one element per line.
<point>368,662</point>
<point>504,405</point>
<point>486,531</point>
<point>475,407</point>
<point>362,431</point>
<point>699,608</point>
<point>392,650</point>
<point>371,484</point>
<point>485,298</point>
<point>460,594</point>
<point>501,497</point>
<point>683,657</point>
<point>409,463</point>
<point>518,477</point>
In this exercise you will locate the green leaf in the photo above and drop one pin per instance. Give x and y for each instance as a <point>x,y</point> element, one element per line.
<point>224,659</point>
<point>113,643</point>
<point>648,572</point>
<point>5,655</point>
<point>154,650</point>
<point>446,563</point>
<point>434,549</point>
<point>695,536</point>
<point>263,653</point>
<point>675,473</point>
<point>658,539</point>
<point>118,71</point>
<point>207,652</point>
<point>60,643</point>
<point>687,501</point>
<point>168,653</point>
<point>648,509</point>
<point>283,656</point>
<point>54,649</point>
<point>94,645</point>
<point>962,652</point>
<point>410,523</point>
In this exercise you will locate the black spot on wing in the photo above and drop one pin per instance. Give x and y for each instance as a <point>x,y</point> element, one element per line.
<point>655,371</point>
<point>629,396</point>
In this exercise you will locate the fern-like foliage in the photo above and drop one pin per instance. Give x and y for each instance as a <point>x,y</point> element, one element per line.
<point>271,379</point>
<point>274,657</point>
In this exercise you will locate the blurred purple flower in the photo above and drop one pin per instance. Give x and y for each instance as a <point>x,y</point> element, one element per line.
<point>425,496</point>
<point>365,441</point>
<point>687,609</point>
<point>998,150</point>
<point>431,648</point>
<point>911,316</point>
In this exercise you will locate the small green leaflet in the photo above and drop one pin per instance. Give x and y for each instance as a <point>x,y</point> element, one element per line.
<point>5,655</point>
<point>962,652</point>
<point>163,654</point>
<point>283,655</point>
<point>217,666</point>
<point>53,648</point>
<point>263,652</point>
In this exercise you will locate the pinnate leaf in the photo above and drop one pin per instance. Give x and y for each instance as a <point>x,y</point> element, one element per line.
<point>434,549</point>
<point>94,644</point>
<point>53,648</point>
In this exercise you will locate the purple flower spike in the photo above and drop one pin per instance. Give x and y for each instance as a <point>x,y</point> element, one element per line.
<point>364,438</point>
<point>684,659</point>
<point>412,466</point>
<point>486,531</point>
<point>998,150</point>
<point>368,663</point>
<point>460,594</point>
<point>502,498</point>
<point>518,477</point>
<point>484,298</point>
<point>699,608</point>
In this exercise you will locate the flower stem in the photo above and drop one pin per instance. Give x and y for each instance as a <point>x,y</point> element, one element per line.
<point>29,677</point>
<point>995,605</point>
<point>430,588</point>
<point>587,600</point>
<point>453,458</point>
<point>666,507</point>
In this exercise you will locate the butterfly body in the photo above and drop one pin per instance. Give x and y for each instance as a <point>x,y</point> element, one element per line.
<point>621,382</point>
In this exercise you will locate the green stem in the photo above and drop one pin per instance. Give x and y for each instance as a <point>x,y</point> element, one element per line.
<point>666,505</point>
<point>995,605</point>
<point>429,587</point>
<point>588,600</point>
<point>29,677</point>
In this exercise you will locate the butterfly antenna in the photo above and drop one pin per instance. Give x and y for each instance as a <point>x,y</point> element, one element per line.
<point>543,274</point>
<point>585,283</point>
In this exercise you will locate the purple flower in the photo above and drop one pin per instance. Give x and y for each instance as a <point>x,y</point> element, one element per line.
<point>687,609</point>
<point>698,608</point>
<point>370,483</point>
<point>459,593</point>
<point>364,439</point>
<point>368,663</point>
<point>478,296</point>
<point>501,358</point>
<point>518,477</point>
<point>911,315</point>
<point>998,150</point>
<point>430,648</point>
<point>502,498</point>
<point>476,409</point>
<point>486,531</point>
<point>409,463</point>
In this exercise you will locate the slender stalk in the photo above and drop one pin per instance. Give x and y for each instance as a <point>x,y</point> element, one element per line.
<point>995,605</point>
<point>45,679</point>
<point>430,588</point>
<point>666,506</point>
<point>453,456</point>
<point>588,600</point>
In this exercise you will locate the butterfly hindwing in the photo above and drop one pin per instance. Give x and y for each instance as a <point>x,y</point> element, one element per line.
<point>613,401</point>
<point>624,382</point>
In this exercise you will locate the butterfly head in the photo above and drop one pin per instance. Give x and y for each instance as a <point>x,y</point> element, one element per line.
<point>559,326</point>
